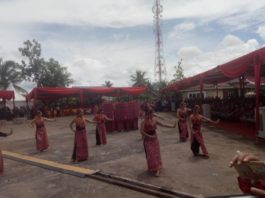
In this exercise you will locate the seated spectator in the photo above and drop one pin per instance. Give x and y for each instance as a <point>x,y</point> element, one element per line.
<point>249,186</point>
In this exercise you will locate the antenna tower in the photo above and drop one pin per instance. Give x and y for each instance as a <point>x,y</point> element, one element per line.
<point>160,68</point>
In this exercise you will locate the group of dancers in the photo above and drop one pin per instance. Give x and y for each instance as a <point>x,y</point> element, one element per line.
<point>151,143</point>
<point>148,125</point>
<point>188,120</point>
<point>77,125</point>
<point>193,123</point>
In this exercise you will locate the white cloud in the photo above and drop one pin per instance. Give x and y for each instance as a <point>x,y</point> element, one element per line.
<point>80,12</point>
<point>91,65</point>
<point>179,29</point>
<point>261,31</point>
<point>120,13</point>
<point>189,52</point>
<point>114,55</point>
<point>231,41</point>
<point>196,60</point>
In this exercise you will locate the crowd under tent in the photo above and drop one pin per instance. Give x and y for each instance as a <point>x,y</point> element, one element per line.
<point>248,67</point>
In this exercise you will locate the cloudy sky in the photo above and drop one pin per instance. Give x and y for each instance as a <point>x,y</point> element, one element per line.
<point>111,39</point>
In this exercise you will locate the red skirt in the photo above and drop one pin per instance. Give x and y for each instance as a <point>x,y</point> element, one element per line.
<point>80,152</point>
<point>197,135</point>
<point>152,152</point>
<point>41,139</point>
<point>183,129</point>
<point>102,133</point>
<point>1,163</point>
<point>245,185</point>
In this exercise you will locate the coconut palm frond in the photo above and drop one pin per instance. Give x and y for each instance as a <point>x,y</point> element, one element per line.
<point>20,90</point>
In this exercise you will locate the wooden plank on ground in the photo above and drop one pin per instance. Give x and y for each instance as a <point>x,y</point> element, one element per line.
<point>55,166</point>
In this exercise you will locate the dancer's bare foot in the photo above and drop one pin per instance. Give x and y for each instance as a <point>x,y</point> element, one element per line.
<point>205,156</point>
<point>157,174</point>
<point>10,133</point>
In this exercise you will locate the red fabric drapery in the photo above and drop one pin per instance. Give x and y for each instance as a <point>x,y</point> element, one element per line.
<point>225,72</point>
<point>99,90</point>
<point>237,70</point>
<point>7,95</point>
<point>47,93</point>
<point>134,91</point>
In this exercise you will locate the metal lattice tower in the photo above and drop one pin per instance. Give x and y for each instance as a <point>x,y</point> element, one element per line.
<point>160,68</point>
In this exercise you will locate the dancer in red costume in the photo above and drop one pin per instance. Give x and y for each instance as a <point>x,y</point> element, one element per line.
<point>151,142</point>
<point>182,114</point>
<point>197,140</point>
<point>2,134</point>
<point>80,152</point>
<point>100,119</point>
<point>145,106</point>
<point>249,186</point>
<point>41,132</point>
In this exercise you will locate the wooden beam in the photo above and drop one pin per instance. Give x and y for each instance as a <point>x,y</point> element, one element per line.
<point>63,168</point>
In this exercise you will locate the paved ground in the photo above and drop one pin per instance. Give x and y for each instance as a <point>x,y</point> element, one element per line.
<point>124,156</point>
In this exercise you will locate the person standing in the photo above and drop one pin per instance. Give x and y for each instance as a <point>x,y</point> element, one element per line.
<point>80,151</point>
<point>182,114</point>
<point>101,134</point>
<point>197,140</point>
<point>2,134</point>
<point>150,140</point>
<point>41,132</point>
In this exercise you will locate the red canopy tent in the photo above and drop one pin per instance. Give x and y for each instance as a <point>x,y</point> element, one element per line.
<point>7,95</point>
<point>249,66</point>
<point>50,94</point>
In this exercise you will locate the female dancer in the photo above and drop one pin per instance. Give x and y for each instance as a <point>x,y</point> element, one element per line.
<point>151,142</point>
<point>41,132</point>
<point>196,135</point>
<point>80,152</point>
<point>100,119</point>
<point>182,114</point>
<point>143,108</point>
<point>2,134</point>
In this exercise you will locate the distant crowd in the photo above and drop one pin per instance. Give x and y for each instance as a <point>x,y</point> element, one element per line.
<point>231,109</point>
<point>9,114</point>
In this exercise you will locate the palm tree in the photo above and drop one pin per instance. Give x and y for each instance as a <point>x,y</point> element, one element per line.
<point>10,75</point>
<point>108,84</point>
<point>139,78</point>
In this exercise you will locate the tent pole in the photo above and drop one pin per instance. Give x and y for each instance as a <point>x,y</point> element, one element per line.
<point>243,85</point>
<point>257,70</point>
<point>216,89</point>
<point>35,98</point>
<point>13,102</point>
<point>81,98</point>
<point>201,92</point>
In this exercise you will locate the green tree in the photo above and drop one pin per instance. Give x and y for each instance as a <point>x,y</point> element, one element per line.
<point>178,75</point>
<point>108,84</point>
<point>33,68</point>
<point>43,73</point>
<point>139,78</point>
<point>54,75</point>
<point>156,87</point>
<point>10,74</point>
